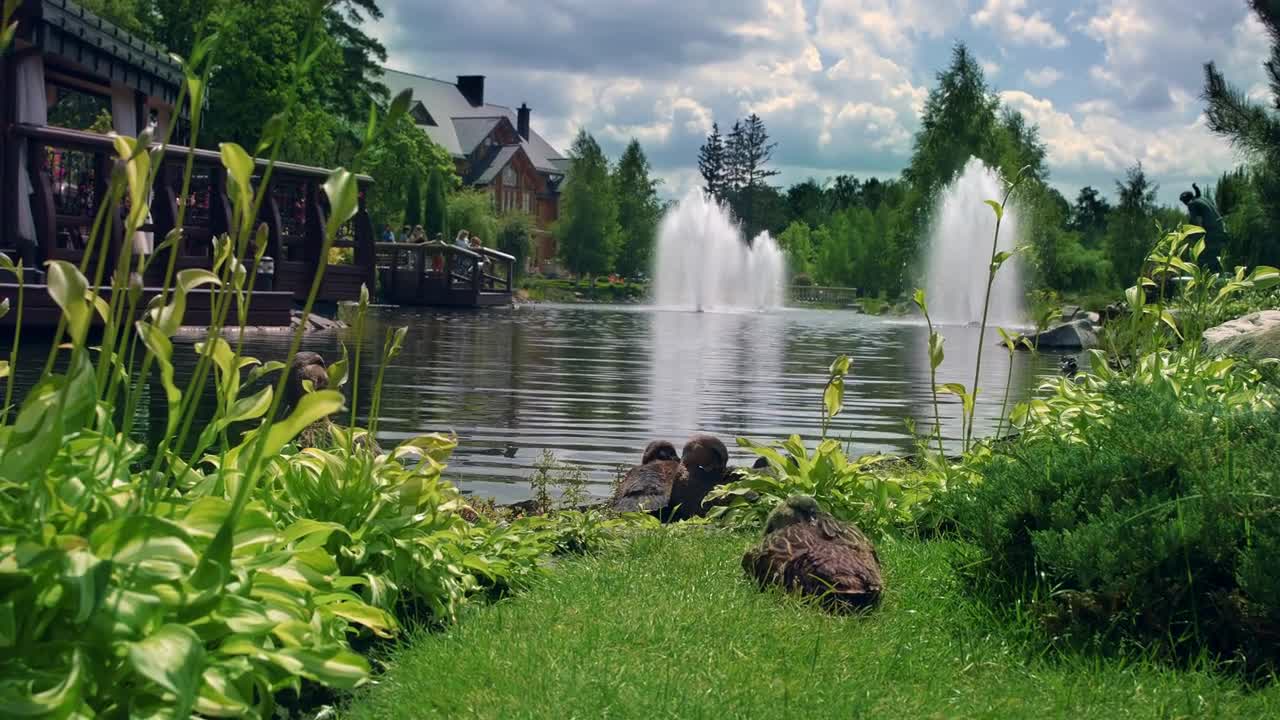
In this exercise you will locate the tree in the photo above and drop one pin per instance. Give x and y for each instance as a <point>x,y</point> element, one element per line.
<point>711,163</point>
<point>472,210</point>
<point>733,181</point>
<point>402,155</point>
<point>588,224</point>
<point>413,202</point>
<point>750,155</point>
<point>638,210</point>
<point>808,203</point>
<point>1089,216</point>
<point>959,121</point>
<point>437,220</point>
<point>1251,126</point>
<point>515,238</point>
<point>1131,231</point>
<point>797,243</point>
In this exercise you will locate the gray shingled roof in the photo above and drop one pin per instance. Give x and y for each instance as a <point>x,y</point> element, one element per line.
<point>455,118</point>
<point>472,130</point>
<point>495,165</point>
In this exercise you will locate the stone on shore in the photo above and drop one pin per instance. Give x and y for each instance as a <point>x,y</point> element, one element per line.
<point>1080,334</point>
<point>1255,336</point>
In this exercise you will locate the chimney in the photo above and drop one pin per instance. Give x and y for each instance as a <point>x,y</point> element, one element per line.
<point>472,88</point>
<point>522,121</point>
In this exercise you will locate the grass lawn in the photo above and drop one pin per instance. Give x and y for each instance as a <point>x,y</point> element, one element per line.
<point>668,627</point>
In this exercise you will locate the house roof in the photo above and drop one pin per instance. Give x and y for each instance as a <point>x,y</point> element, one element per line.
<point>472,130</point>
<point>68,30</point>
<point>456,119</point>
<point>487,170</point>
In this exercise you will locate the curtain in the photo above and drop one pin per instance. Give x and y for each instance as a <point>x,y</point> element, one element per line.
<point>33,108</point>
<point>124,118</point>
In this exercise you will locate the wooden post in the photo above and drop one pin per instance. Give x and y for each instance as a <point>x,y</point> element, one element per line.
<point>270,214</point>
<point>42,211</point>
<point>219,203</point>
<point>419,271</point>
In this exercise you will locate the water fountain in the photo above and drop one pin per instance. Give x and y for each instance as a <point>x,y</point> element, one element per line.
<point>703,262</point>
<point>960,252</point>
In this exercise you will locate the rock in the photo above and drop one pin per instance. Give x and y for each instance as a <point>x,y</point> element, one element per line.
<point>315,323</point>
<point>1115,310</point>
<point>1070,312</point>
<point>1075,335</point>
<point>1255,336</point>
<point>1093,317</point>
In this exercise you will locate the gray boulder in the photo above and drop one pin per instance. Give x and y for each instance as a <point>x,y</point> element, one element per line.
<point>1075,335</point>
<point>1255,336</point>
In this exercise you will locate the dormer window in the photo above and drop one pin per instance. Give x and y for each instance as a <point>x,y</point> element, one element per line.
<point>420,115</point>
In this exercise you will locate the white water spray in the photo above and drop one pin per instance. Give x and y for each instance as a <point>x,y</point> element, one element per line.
<point>703,263</point>
<point>960,252</point>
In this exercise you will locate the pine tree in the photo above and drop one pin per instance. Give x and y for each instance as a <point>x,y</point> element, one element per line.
<point>588,226</point>
<point>638,210</point>
<point>413,202</point>
<point>1132,231</point>
<point>754,152</point>
<point>437,222</point>
<point>711,163</point>
<point>1231,113</point>
<point>959,121</point>
<point>733,158</point>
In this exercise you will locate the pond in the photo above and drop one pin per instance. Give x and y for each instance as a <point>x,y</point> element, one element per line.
<point>594,384</point>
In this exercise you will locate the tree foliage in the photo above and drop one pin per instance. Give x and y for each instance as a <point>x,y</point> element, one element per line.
<point>588,226</point>
<point>472,210</point>
<point>400,157</point>
<point>437,206</point>
<point>638,211</point>
<point>711,163</point>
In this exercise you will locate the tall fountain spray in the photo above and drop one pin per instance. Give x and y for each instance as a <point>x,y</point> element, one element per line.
<point>960,252</point>
<point>703,262</point>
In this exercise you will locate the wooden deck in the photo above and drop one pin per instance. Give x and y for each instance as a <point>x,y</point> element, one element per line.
<point>267,309</point>
<point>71,170</point>
<point>444,275</point>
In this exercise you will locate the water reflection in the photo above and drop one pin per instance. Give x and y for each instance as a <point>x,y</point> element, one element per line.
<point>595,384</point>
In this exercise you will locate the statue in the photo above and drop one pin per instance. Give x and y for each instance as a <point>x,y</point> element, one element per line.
<point>1202,212</point>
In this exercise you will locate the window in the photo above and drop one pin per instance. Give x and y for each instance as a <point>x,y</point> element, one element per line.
<point>76,109</point>
<point>509,176</point>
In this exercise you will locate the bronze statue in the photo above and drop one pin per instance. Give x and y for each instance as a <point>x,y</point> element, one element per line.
<point>1202,212</point>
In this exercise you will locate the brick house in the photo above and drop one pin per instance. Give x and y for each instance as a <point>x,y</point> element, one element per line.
<point>493,148</point>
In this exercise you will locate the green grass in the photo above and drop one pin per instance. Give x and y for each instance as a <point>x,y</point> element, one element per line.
<point>669,627</point>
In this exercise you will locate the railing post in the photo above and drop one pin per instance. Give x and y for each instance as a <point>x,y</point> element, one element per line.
<point>219,203</point>
<point>365,256</point>
<point>270,214</point>
<point>43,212</point>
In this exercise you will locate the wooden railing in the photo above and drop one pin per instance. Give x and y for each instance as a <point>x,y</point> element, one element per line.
<point>817,295</point>
<point>442,274</point>
<point>71,170</point>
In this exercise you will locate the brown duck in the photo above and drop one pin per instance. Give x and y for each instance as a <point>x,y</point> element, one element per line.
<point>806,550</point>
<point>673,489</point>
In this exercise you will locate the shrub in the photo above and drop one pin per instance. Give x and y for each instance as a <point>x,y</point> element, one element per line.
<point>1160,523</point>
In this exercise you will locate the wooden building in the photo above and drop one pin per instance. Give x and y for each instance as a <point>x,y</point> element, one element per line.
<point>72,77</point>
<point>494,148</point>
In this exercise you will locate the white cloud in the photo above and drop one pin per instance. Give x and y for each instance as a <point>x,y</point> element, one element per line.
<point>1007,17</point>
<point>1042,78</point>
<point>989,67</point>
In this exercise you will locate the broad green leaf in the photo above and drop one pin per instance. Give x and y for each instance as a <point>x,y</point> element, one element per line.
<point>1135,297</point>
<point>8,625</point>
<point>250,408</point>
<point>86,578</point>
<point>21,700</point>
<point>169,317</point>
<point>69,289</point>
<point>162,350</point>
<point>263,369</point>
<point>36,435</point>
<point>172,658</point>
<point>840,366</point>
<point>239,165</point>
<point>138,538</point>
<point>337,371</point>
<point>312,407</point>
<point>219,696</point>
<point>399,106</point>
<point>343,194</point>
<point>936,355</point>
<point>918,298</point>
<point>336,667</point>
<point>4,307</point>
<point>996,207</point>
<point>308,528</point>
<point>999,260</point>
<point>833,397</point>
<point>381,623</point>
<point>4,369</point>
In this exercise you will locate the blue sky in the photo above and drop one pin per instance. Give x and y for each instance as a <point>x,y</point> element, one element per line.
<point>840,83</point>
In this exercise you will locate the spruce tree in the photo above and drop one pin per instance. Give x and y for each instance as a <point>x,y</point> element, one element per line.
<point>638,210</point>
<point>413,202</point>
<point>711,163</point>
<point>752,157</point>
<point>437,221</point>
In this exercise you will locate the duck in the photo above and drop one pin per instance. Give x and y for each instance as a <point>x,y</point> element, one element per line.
<point>305,366</point>
<point>647,486</point>
<point>671,486</point>
<point>808,551</point>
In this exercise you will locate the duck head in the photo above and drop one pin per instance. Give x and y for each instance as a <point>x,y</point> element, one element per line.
<point>706,459</point>
<point>659,450</point>
<point>306,366</point>
<point>794,510</point>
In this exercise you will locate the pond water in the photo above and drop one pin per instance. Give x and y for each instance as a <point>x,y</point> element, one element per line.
<point>595,384</point>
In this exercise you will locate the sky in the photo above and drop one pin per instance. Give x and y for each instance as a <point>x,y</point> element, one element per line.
<point>840,84</point>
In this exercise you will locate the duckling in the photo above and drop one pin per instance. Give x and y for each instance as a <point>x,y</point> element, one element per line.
<point>809,551</point>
